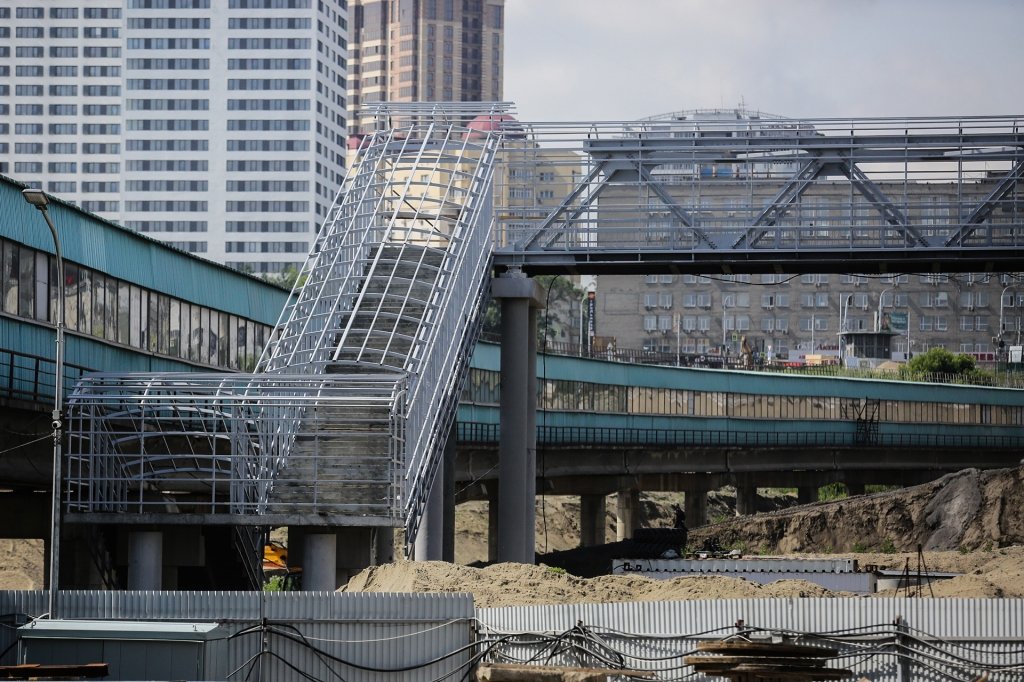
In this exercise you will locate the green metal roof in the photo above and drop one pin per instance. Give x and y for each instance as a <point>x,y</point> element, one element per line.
<point>97,243</point>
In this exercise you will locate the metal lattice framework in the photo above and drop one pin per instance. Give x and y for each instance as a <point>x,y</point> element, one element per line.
<point>224,447</point>
<point>741,192</point>
<point>386,305</point>
<point>347,416</point>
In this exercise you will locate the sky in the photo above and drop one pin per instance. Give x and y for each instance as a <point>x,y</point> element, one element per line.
<point>568,60</point>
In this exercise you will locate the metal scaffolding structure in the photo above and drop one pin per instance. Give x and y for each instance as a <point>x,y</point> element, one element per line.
<point>347,416</point>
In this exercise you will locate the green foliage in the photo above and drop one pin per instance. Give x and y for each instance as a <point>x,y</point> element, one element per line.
<point>878,488</point>
<point>286,279</point>
<point>940,361</point>
<point>859,547</point>
<point>492,319</point>
<point>557,323</point>
<point>887,547</point>
<point>831,492</point>
<point>555,569</point>
<point>275,584</point>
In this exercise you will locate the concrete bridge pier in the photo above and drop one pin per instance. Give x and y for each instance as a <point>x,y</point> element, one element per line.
<point>746,499</point>
<point>627,507</point>
<point>592,516</point>
<point>429,545</point>
<point>520,297</point>
<point>448,495</point>
<point>330,555</point>
<point>492,522</point>
<point>145,560</point>
<point>806,494</point>
<point>384,545</point>
<point>319,557</point>
<point>695,504</point>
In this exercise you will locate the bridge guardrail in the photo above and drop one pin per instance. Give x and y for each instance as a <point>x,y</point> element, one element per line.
<point>470,432</point>
<point>30,378</point>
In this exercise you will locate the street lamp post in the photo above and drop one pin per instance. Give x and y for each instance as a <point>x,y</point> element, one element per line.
<point>878,317</point>
<point>37,198</point>
<point>842,323</point>
<point>678,321</point>
<point>1002,301</point>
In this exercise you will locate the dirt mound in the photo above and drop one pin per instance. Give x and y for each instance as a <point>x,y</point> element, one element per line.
<point>23,564</point>
<point>968,510</point>
<point>521,584</point>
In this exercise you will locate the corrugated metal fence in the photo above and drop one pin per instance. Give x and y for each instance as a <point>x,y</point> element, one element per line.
<point>325,635</point>
<point>938,639</point>
<point>428,637</point>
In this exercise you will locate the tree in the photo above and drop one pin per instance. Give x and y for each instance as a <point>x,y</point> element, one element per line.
<point>941,361</point>
<point>286,279</point>
<point>558,322</point>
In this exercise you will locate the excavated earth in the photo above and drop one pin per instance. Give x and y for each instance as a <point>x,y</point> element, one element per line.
<point>970,522</point>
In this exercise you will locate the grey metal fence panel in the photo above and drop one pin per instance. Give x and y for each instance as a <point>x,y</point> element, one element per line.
<point>322,634</point>
<point>941,639</point>
<point>16,609</point>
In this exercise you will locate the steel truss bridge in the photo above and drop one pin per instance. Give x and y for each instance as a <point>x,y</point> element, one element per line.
<point>345,420</point>
<point>751,194</point>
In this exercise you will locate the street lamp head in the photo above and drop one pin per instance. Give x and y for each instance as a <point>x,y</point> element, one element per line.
<point>36,197</point>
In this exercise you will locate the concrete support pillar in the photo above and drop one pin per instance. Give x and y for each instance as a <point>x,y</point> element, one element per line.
<point>383,545</point>
<point>430,535</point>
<point>448,502</point>
<point>145,560</point>
<point>492,522</point>
<point>807,494</point>
<point>530,520</point>
<point>746,500</point>
<point>592,516</point>
<point>516,472</point>
<point>319,562</point>
<point>695,504</point>
<point>627,503</point>
<point>856,488</point>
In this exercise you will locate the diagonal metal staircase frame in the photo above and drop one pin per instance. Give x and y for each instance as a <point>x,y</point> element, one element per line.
<point>346,418</point>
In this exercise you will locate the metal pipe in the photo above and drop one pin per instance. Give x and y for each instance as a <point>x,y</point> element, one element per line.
<point>38,199</point>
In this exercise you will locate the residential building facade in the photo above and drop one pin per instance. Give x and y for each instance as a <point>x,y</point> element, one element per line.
<point>424,50</point>
<point>792,317</point>
<point>217,126</point>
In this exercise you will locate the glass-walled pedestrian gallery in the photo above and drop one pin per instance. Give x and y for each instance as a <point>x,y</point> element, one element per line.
<point>116,311</point>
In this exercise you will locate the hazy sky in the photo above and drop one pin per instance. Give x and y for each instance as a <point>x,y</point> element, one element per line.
<point>626,59</point>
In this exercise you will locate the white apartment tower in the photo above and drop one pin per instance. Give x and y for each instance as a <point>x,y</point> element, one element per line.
<point>218,126</point>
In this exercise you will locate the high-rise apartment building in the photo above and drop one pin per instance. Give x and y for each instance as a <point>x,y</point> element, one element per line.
<point>216,125</point>
<point>424,50</point>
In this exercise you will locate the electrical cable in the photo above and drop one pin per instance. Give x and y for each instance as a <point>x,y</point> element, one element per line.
<point>389,639</point>
<point>299,638</point>
<point>27,443</point>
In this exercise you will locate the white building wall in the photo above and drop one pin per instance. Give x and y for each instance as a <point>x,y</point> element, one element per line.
<point>215,125</point>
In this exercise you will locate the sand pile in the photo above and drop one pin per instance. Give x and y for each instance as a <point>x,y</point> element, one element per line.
<point>22,568</point>
<point>986,574</point>
<point>519,584</point>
